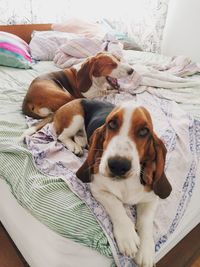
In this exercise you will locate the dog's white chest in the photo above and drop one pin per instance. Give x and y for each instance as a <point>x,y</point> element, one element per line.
<point>128,191</point>
<point>97,88</point>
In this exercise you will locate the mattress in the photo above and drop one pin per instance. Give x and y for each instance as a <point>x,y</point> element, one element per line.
<point>61,217</point>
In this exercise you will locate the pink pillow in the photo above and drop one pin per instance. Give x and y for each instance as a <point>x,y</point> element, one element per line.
<point>14,52</point>
<point>79,26</point>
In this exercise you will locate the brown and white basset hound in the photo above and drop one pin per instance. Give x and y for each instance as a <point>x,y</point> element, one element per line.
<point>48,92</point>
<point>125,165</point>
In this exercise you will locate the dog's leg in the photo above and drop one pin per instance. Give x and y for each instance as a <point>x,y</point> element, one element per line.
<point>81,138</point>
<point>144,225</point>
<point>123,227</point>
<point>33,129</point>
<point>67,135</point>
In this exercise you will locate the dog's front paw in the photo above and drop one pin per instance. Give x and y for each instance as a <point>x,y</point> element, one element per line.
<point>73,147</point>
<point>146,253</point>
<point>81,140</point>
<point>127,239</point>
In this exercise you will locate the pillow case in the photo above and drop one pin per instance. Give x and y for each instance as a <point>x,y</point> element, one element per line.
<point>83,27</point>
<point>97,30</point>
<point>44,44</point>
<point>14,52</point>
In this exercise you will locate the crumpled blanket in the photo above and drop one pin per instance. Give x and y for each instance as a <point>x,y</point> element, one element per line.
<point>153,77</point>
<point>171,75</point>
<point>77,50</point>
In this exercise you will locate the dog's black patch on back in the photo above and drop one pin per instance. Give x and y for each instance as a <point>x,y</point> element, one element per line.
<point>61,79</point>
<point>95,114</point>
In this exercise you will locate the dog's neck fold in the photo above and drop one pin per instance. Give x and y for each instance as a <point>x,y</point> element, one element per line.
<point>99,85</point>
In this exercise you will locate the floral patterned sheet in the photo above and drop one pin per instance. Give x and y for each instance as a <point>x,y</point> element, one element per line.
<point>181,134</point>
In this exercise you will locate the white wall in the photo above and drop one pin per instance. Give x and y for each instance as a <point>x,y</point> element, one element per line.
<point>181,35</point>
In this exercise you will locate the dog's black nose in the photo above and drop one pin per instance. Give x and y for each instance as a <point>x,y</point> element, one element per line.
<point>119,165</point>
<point>130,71</point>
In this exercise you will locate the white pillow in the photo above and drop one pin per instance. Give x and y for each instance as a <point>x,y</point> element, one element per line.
<point>44,44</point>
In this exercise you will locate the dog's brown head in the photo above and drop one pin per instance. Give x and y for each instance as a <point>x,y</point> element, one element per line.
<point>102,65</point>
<point>127,145</point>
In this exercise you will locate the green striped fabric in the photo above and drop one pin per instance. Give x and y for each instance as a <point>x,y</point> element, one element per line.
<point>45,197</point>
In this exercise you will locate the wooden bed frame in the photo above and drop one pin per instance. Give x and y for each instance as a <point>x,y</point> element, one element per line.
<point>25,31</point>
<point>188,249</point>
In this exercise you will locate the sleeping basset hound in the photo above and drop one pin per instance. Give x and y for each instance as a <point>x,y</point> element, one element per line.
<point>92,78</point>
<point>125,165</point>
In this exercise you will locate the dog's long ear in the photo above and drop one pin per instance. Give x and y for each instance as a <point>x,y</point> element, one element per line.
<point>84,75</point>
<point>153,168</point>
<point>161,185</point>
<point>91,164</point>
<point>84,172</point>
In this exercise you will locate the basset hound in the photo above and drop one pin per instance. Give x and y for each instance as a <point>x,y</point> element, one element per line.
<point>94,77</point>
<point>125,165</point>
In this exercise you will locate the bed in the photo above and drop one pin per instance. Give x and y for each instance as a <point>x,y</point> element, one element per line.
<point>52,225</point>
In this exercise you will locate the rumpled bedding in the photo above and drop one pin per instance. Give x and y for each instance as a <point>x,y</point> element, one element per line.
<point>179,131</point>
<point>172,74</point>
<point>179,69</point>
<point>78,49</point>
<point>91,38</point>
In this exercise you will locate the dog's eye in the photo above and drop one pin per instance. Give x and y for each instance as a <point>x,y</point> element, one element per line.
<point>113,65</point>
<point>143,132</point>
<point>113,125</point>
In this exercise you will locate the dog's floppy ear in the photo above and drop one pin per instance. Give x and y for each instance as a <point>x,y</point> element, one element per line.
<point>84,172</point>
<point>84,75</point>
<point>153,168</point>
<point>161,185</point>
<point>91,164</point>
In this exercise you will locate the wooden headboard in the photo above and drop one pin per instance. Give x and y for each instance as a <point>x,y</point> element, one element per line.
<point>25,30</point>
